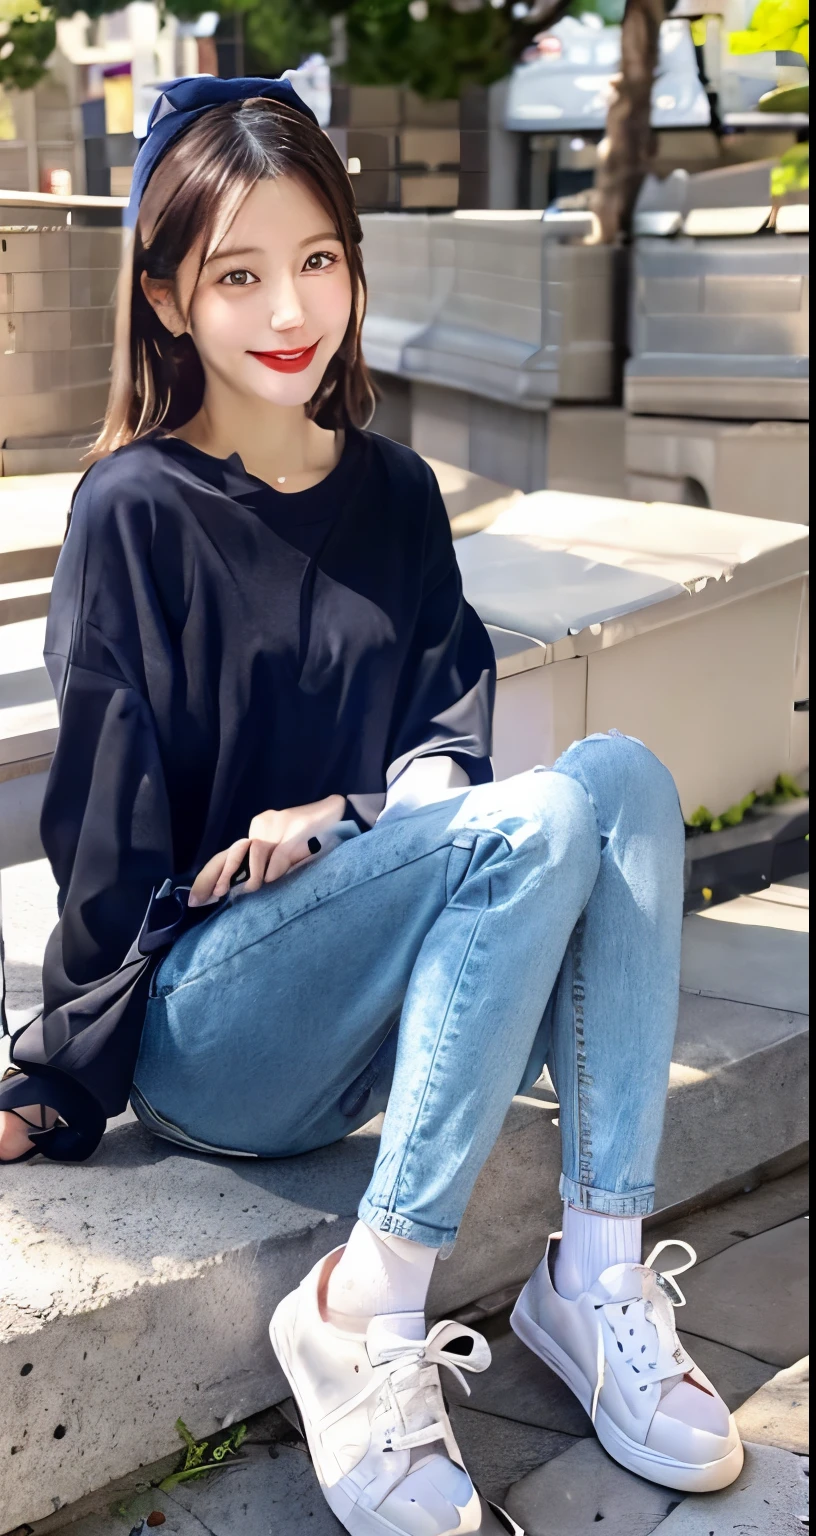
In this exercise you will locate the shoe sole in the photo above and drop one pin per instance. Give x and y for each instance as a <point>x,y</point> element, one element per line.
<point>687,1477</point>
<point>357,1521</point>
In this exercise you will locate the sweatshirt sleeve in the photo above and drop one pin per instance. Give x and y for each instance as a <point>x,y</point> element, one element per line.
<point>445,699</point>
<point>106,830</point>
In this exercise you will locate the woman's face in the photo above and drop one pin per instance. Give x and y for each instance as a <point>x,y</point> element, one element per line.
<point>272,303</point>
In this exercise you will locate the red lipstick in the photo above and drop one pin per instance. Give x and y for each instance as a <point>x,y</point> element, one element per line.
<point>287,362</point>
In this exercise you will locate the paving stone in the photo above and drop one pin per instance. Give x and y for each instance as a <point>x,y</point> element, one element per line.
<point>124,1516</point>
<point>519,1386</point>
<point>497,1452</point>
<point>778,1414</point>
<point>745,962</point>
<point>735,1375</point>
<point>721,1226</point>
<point>768,1499</point>
<point>753,1297</point>
<point>263,1496</point>
<point>573,1494</point>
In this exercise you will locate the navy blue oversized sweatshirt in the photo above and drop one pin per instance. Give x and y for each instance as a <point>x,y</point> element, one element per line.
<point>217,649</point>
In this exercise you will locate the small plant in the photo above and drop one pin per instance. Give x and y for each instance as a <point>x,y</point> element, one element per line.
<point>785,788</point>
<point>203,1456</point>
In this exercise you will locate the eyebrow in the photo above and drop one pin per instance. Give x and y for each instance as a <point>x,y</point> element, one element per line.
<point>256,250</point>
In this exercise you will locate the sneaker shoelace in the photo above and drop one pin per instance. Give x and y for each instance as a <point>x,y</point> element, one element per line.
<point>644,1328</point>
<point>410,1394</point>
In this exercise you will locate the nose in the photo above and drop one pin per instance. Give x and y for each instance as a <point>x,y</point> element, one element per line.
<point>287,310</point>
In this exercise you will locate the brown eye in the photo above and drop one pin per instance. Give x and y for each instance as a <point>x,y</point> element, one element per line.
<point>238,279</point>
<point>319,261</point>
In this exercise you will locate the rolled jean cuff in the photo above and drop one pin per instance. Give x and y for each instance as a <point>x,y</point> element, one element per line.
<point>638,1202</point>
<point>403,1226</point>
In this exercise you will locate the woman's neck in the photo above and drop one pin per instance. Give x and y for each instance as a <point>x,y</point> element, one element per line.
<point>278,444</point>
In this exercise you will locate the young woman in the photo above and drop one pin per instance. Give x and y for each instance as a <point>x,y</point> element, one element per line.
<point>265,668</point>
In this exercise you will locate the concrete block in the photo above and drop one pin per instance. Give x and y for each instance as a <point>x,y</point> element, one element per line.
<point>754,1297</point>
<point>138,1286</point>
<point>747,962</point>
<point>538,714</point>
<point>581,1489</point>
<point>585,450</point>
<point>779,1413</point>
<point>527,317</point>
<point>769,1498</point>
<point>503,442</point>
<point>55,330</point>
<point>720,329</point>
<point>44,250</point>
<point>726,724</point>
<point>71,408</point>
<point>758,469</point>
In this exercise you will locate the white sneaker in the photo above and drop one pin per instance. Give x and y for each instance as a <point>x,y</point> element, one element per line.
<point>375,1421</point>
<point>617,1348</point>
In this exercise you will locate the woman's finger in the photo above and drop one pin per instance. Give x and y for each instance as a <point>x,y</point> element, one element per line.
<point>205,881</point>
<point>233,860</point>
<point>259,855</point>
<point>285,857</point>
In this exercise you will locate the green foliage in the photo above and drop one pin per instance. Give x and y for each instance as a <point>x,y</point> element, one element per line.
<point>28,36</point>
<point>792,174</point>
<point>610,11</point>
<point>437,56</point>
<point>203,1456</point>
<point>776,26</point>
<point>785,789</point>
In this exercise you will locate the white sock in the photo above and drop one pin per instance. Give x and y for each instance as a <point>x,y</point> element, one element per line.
<point>589,1244</point>
<point>377,1274</point>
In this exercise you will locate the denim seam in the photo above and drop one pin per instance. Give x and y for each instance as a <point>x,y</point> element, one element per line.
<point>583,1078</point>
<point>330,896</point>
<point>400,1173</point>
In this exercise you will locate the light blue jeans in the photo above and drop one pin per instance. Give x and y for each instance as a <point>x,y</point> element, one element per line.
<point>433,966</point>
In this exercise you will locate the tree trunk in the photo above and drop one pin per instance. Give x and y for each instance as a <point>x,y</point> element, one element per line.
<point>630,142</point>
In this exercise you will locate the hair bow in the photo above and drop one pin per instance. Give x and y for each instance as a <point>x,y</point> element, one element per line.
<point>180,103</point>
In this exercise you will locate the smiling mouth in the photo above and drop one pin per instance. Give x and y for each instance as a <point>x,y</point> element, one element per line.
<point>287,362</point>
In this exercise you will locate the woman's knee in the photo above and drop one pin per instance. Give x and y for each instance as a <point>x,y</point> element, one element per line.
<point>619,770</point>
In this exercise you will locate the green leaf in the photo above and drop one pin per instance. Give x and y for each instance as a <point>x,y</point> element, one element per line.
<point>792,174</point>
<point>203,1456</point>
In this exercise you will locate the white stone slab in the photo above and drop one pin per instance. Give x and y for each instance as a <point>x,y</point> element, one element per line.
<point>584,1488</point>
<point>778,1414</point>
<point>753,1297</point>
<point>770,1498</point>
<point>499,1452</point>
<point>746,963</point>
<point>262,1496</point>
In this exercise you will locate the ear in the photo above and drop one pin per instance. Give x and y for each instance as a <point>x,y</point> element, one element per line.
<point>160,295</point>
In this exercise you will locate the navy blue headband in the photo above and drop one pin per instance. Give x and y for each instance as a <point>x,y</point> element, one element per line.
<point>180,103</point>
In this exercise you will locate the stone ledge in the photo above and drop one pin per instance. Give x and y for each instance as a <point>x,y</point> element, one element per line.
<point>138,1287</point>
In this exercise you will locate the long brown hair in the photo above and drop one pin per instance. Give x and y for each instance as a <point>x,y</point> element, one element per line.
<point>190,201</point>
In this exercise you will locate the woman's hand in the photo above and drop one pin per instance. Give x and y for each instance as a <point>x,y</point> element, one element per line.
<point>277,840</point>
<point>14,1138</point>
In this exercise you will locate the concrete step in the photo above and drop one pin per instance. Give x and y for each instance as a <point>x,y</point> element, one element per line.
<point>138,1287</point>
